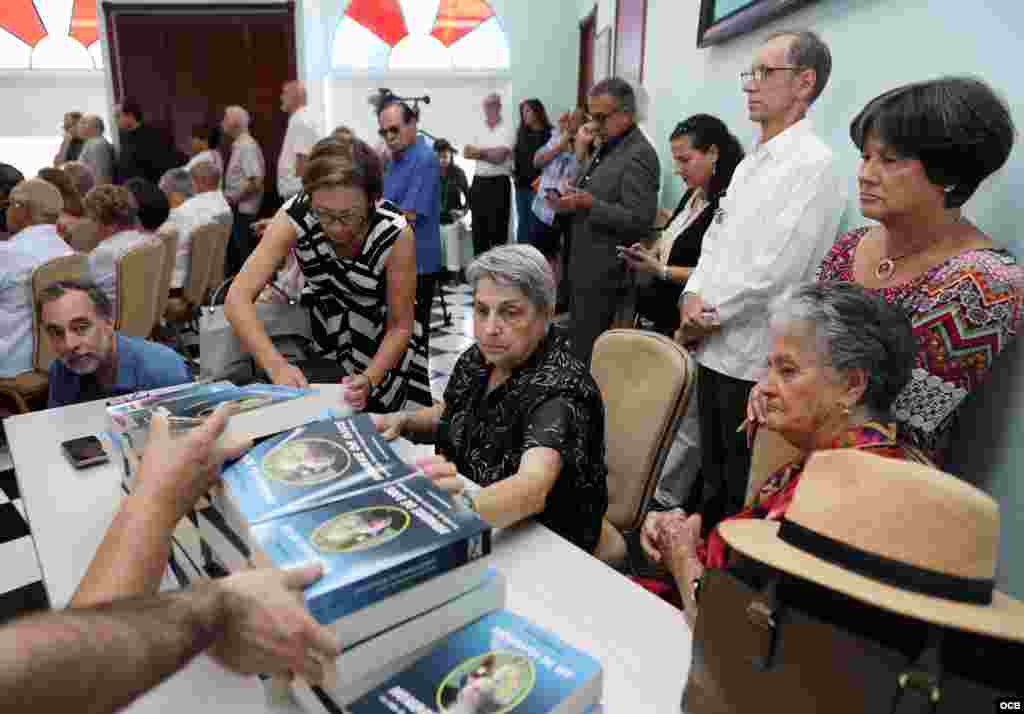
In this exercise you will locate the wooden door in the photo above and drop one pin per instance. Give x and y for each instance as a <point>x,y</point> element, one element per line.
<point>587,32</point>
<point>185,63</point>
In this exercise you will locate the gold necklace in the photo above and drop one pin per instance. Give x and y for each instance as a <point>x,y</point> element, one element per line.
<point>887,266</point>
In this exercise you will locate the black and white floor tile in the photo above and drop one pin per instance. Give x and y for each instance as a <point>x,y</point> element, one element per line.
<point>21,588</point>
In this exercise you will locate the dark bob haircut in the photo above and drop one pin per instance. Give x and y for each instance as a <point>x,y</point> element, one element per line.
<point>153,205</point>
<point>956,126</point>
<point>337,164</point>
<point>705,131</point>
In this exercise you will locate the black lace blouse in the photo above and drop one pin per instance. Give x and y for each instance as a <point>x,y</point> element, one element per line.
<point>550,401</point>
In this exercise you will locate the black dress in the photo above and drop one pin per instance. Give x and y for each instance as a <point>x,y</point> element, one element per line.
<point>658,301</point>
<point>347,300</point>
<point>549,401</point>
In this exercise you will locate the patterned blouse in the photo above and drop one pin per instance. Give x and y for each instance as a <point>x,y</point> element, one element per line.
<point>549,401</point>
<point>964,311</point>
<point>772,501</point>
<point>347,299</point>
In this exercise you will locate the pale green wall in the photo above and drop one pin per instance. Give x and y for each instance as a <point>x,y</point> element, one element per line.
<point>876,45</point>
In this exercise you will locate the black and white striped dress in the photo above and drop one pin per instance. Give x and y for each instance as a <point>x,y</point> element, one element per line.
<point>347,299</point>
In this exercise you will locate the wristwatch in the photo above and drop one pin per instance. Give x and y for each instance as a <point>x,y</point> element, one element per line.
<point>664,273</point>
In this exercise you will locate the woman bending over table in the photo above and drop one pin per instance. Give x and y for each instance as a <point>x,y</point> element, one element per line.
<point>521,416</point>
<point>839,356</point>
<point>358,260</point>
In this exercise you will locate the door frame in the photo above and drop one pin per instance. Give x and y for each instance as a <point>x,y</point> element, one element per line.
<point>588,33</point>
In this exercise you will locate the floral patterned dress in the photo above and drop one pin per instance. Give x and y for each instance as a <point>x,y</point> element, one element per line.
<point>964,312</point>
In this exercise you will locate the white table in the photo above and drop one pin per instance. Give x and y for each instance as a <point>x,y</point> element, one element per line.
<point>643,643</point>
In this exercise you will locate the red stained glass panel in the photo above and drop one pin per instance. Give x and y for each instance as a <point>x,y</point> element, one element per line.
<point>381,17</point>
<point>457,18</point>
<point>83,22</point>
<point>20,18</point>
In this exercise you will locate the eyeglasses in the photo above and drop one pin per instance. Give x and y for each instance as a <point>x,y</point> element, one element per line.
<point>385,132</point>
<point>326,218</point>
<point>600,119</point>
<point>762,73</point>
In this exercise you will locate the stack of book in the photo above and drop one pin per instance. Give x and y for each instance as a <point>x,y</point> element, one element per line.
<point>499,663</point>
<point>404,564</point>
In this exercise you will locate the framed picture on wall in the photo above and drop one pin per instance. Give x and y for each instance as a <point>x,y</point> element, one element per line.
<point>630,36</point>
<point>603,55</point>
<point>723,19</point>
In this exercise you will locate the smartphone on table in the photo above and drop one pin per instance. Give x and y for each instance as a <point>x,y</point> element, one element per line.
<point>85,451</point>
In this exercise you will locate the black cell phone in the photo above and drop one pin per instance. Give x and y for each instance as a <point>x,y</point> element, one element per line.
<point>85,451</point>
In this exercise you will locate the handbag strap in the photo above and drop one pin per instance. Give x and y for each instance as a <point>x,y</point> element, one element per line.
<point>272,285</point>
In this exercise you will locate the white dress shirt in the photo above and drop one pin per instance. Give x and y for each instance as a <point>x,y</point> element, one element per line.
<point>485,137</point>
<point>19,256</point>
<point>779,217</point>
<point>201,209</point>
<point>299,139</point>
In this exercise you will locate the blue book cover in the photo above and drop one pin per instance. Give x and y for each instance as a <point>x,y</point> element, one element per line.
<point>313,464</point>
<point>375,543</point>
<point>200,401</point>
<point>500,663</point>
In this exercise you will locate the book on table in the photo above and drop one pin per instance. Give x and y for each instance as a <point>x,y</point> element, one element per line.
<point>499,663</point>
<point>365,664</point>
<point>263,409</point>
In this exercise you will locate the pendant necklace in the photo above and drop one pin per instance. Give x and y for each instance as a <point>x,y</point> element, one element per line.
<point>887,266</point>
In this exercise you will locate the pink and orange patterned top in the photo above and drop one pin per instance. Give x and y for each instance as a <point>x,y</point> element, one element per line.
<point>964,312</point>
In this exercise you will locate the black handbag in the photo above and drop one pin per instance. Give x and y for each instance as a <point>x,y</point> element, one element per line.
<point>775,643</point>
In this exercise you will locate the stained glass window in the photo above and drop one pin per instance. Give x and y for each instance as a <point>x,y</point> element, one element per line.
<point>49,34</point>
<point>427,35</point>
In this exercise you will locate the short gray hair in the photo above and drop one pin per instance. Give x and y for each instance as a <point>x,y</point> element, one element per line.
<point>859,331</point>
<point>808,51</point>
<point>519,266</point>
<point>177,181</point>
<point>618,88</point>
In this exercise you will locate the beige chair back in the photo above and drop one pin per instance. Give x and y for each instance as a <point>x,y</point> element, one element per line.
<point>85,235</point>
<point>646,381</point>
<point>769,453</point>
<point>169,235</point>
<point>65,267</point>
<point>139,274</point>
<point>217,267</point>
<point>209,248</point>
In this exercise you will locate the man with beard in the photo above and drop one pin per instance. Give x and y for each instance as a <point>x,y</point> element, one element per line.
<point>93,361</point>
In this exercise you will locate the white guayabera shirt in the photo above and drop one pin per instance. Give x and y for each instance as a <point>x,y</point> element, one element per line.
<point>779,217</point>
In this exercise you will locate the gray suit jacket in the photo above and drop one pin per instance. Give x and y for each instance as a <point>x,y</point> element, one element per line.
<point>99,156</point>
<point>624,183</point>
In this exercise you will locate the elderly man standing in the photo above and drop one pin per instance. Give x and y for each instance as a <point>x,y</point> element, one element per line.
<point>614,201</point>
<point>32,211</point>
<point>413,183</point>
<point>772,230</point>
<point>490,196</point>
<point>243,185</point>
<point>298,140</point>
<point>195,201</point>
<point>97,152</point>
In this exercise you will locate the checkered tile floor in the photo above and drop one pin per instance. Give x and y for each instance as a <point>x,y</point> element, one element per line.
<point>21,589</point>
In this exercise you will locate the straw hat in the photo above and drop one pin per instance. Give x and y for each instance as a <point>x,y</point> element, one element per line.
<point>894,534</point>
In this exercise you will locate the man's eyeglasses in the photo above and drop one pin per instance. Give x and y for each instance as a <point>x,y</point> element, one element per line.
<point>761,74</point>
<point>389,131</point>
<point>326,218</point>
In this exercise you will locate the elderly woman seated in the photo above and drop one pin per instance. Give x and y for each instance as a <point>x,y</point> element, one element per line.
<point>521,416</point>
<point>839,356</point>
